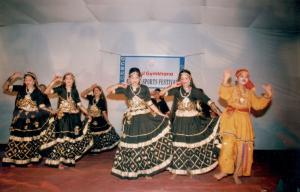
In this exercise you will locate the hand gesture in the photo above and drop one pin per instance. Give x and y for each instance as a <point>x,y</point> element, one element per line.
<point>94,85</point>
<point>227,75</point>
<point>57,79</point>
<point>176,84</point>
<point>16,75</point>
<point>89,118</point>
<point>268,89</point>
<point>164,115</point>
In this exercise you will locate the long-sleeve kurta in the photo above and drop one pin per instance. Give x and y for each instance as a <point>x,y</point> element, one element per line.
<point>236,128</point>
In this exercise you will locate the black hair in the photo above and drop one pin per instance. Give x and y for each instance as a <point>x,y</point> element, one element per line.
<point>188,72</point>
<point>74,84</point>
<point>102,96</point>
<point>42,85</point>
<point>33,76</point>
<point>134,69</point>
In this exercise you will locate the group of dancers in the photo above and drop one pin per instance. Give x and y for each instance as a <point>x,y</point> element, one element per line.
<point>192,138</point>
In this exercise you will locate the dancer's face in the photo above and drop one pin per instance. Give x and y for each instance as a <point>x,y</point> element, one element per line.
<point>97,92</point>
<point>29,81</point>
<point>185,79</point>
<point>69,80</point>
<point>134,78</point>
<point>156,95</point>
<point>243,77</point>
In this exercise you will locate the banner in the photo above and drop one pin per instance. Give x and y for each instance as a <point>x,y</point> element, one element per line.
<point>157,71</point>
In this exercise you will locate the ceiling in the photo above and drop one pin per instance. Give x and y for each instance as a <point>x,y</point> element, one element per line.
<point>266,14</point>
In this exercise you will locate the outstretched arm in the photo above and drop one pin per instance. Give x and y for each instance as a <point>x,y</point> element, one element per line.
<point>215,108</point>
<point>165,90</point>
<point>156,110</point>
<point>104,113</point>
<point>112,88</point>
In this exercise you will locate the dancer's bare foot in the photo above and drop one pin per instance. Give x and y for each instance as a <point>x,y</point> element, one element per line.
<point>29,165</point>
<point>173,176</point>
<point>12,166</point>
<point>148,177</point>
<point>61,167</point>
<point>237,179</point>
<point>220,175</point>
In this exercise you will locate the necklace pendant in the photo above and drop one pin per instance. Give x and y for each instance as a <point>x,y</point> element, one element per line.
<point>242,100</point>
<point>185,101</point>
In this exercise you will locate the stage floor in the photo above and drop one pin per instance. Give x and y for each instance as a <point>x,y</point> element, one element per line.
<point>92,173</point>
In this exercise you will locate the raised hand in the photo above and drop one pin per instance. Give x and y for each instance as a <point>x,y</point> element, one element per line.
<point>268,89</point>
<point>176,84</point>
<point>57,78</point>
<point>94,85</point>
<point>227,75</point>
<point>16,75</point>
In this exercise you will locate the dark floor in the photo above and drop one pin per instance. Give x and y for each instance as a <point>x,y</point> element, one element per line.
<point>272,171</point>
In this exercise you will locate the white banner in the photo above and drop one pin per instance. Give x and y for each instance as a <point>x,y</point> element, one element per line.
<point>157,71</point>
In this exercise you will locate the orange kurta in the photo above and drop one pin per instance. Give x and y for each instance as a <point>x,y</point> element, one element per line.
<point>236,128</point>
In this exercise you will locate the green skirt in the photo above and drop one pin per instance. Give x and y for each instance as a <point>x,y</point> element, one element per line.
<point>104,135</point>
<point>145,147</point>
<point>27,129</point>
<point>196,145</point>
<point>66,141</point>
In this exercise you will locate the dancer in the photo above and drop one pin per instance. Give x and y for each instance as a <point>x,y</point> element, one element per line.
<point>146,144</point>
<point>68,137</point>
<point>236,155</point>
<point>29,120</point>
<point>104,134</point>
<point>196,141</point>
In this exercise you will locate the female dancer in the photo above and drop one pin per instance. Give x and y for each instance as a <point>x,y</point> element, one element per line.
<point>104,134</point>
<point>69,139</point>
<point>146,145</point>
<point>196,138</point>
<point>29,120</point>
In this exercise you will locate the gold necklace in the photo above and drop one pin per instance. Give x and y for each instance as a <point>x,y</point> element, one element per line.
<point>132,91</point>
<point>28,93</point>
<point>242,95</point>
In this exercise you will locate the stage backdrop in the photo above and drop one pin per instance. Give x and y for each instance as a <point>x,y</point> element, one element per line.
<point>157,71</point>
<point>92,52</point>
